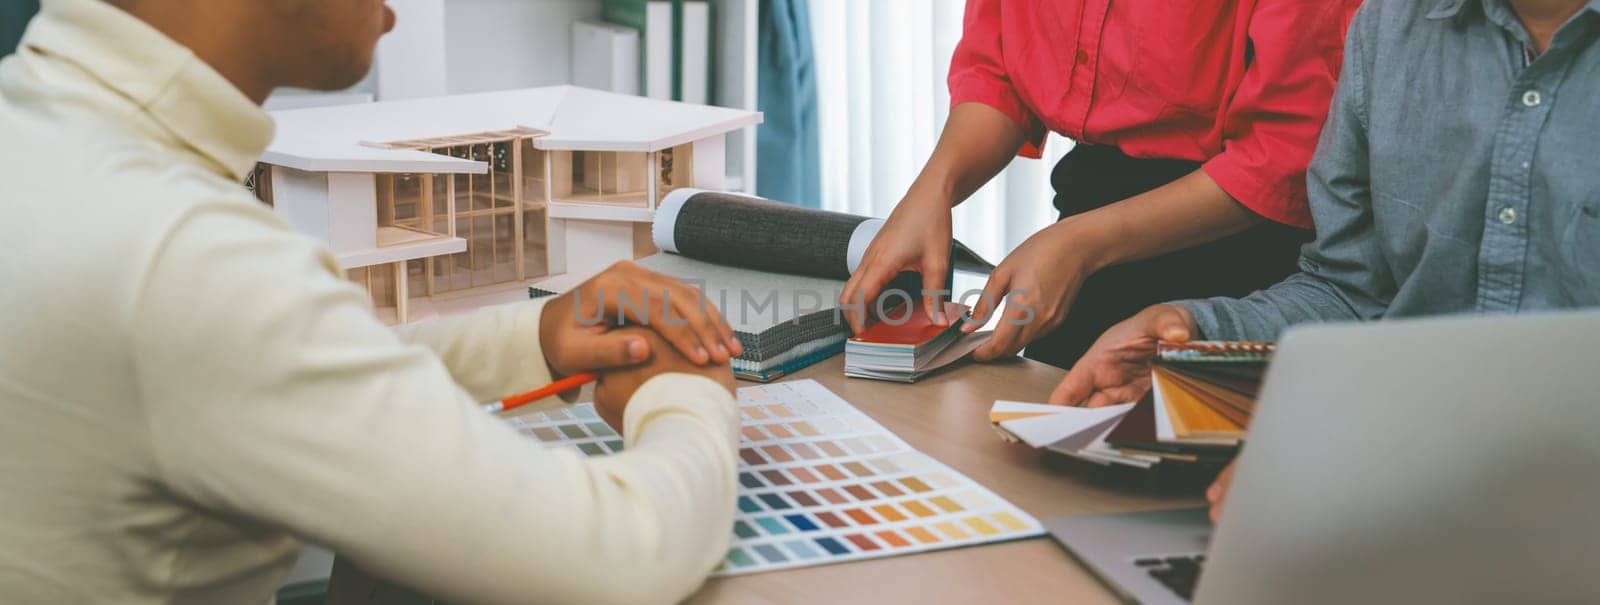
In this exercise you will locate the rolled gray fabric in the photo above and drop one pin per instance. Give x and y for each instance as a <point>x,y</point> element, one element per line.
<point>754,233</point>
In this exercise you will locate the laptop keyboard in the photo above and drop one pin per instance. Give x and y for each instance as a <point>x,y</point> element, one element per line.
<point>1178,572</point>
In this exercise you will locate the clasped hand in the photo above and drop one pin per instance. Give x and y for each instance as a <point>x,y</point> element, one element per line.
<point>671,327</point>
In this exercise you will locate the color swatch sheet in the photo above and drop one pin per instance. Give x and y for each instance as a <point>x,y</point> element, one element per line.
<point>820,482</point>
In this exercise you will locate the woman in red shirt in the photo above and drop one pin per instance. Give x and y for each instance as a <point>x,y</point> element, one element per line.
<point>1194,121</point>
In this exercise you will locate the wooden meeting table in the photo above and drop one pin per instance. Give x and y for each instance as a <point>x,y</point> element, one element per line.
<point>946,417</point>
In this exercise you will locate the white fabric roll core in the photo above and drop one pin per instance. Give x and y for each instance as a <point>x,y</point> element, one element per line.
<point>859,240</point>
<point>666,220</point>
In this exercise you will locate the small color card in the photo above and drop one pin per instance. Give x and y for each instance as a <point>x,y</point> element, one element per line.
<point>820,482</point>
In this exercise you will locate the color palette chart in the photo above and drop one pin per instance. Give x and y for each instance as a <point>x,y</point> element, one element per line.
<point>820,482</point>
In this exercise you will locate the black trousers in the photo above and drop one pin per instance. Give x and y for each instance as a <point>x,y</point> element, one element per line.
<point>1091,176</point>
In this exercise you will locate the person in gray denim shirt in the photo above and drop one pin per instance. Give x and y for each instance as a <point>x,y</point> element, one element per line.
<point>1458,172</point>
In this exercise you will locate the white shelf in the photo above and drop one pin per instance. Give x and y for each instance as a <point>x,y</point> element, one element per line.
<point>431,246</point>
<point>398,236</point>
<point>630,199</point>
<point>601,212</point>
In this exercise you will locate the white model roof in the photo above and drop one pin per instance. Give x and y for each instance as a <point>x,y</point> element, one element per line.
<point>342,138</point>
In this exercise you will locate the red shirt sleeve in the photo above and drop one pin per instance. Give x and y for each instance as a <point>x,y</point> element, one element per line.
<point>1270,128</point>
<point>978,73</point>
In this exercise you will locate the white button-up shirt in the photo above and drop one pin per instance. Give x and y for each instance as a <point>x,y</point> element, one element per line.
<point>189,387</point>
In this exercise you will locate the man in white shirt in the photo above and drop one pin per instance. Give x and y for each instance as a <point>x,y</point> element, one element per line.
<point>190,388</point>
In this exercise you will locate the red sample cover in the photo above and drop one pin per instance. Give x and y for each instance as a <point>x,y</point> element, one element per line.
<point>915,330</point>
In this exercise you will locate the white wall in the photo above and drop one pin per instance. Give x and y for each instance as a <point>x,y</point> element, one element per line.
<point>457,46</point>
<point>504,44</point>
<point>411,59</point>
<point>736,54</point>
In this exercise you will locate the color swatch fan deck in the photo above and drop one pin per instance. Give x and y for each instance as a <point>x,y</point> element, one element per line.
<point>820,482</point>
<point>1201,397</point>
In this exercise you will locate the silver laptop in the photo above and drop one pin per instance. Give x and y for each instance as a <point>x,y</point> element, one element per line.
<point>1433,461</point>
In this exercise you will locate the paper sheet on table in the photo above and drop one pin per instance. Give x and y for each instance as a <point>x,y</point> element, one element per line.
<point>1041,425</point>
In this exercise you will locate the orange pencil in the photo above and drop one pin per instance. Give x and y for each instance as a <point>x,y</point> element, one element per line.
<point>555,388</point>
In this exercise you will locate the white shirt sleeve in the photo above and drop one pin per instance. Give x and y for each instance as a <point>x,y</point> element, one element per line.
<point>493,352</point>
<point>270,392</point>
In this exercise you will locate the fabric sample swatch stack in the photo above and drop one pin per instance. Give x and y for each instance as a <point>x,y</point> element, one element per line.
<point>906,345</point>
<point>785,322</point>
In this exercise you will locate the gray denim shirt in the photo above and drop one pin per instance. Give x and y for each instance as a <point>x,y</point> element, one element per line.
<point>1456,173</point>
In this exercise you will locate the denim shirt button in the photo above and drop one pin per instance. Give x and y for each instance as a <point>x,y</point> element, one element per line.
<point>1532,98</point>
<point>1508,215</point>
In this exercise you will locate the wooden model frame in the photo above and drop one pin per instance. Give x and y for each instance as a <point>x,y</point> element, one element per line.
<point>502,215</point>
<point>411,214</point>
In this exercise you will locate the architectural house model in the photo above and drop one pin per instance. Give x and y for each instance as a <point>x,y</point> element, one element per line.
<point>432,197</point>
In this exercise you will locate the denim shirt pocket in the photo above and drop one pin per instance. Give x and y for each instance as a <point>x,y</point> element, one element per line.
<point>1580,246</point>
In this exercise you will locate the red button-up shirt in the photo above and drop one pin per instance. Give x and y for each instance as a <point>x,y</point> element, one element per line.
<point>1242,85</point>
